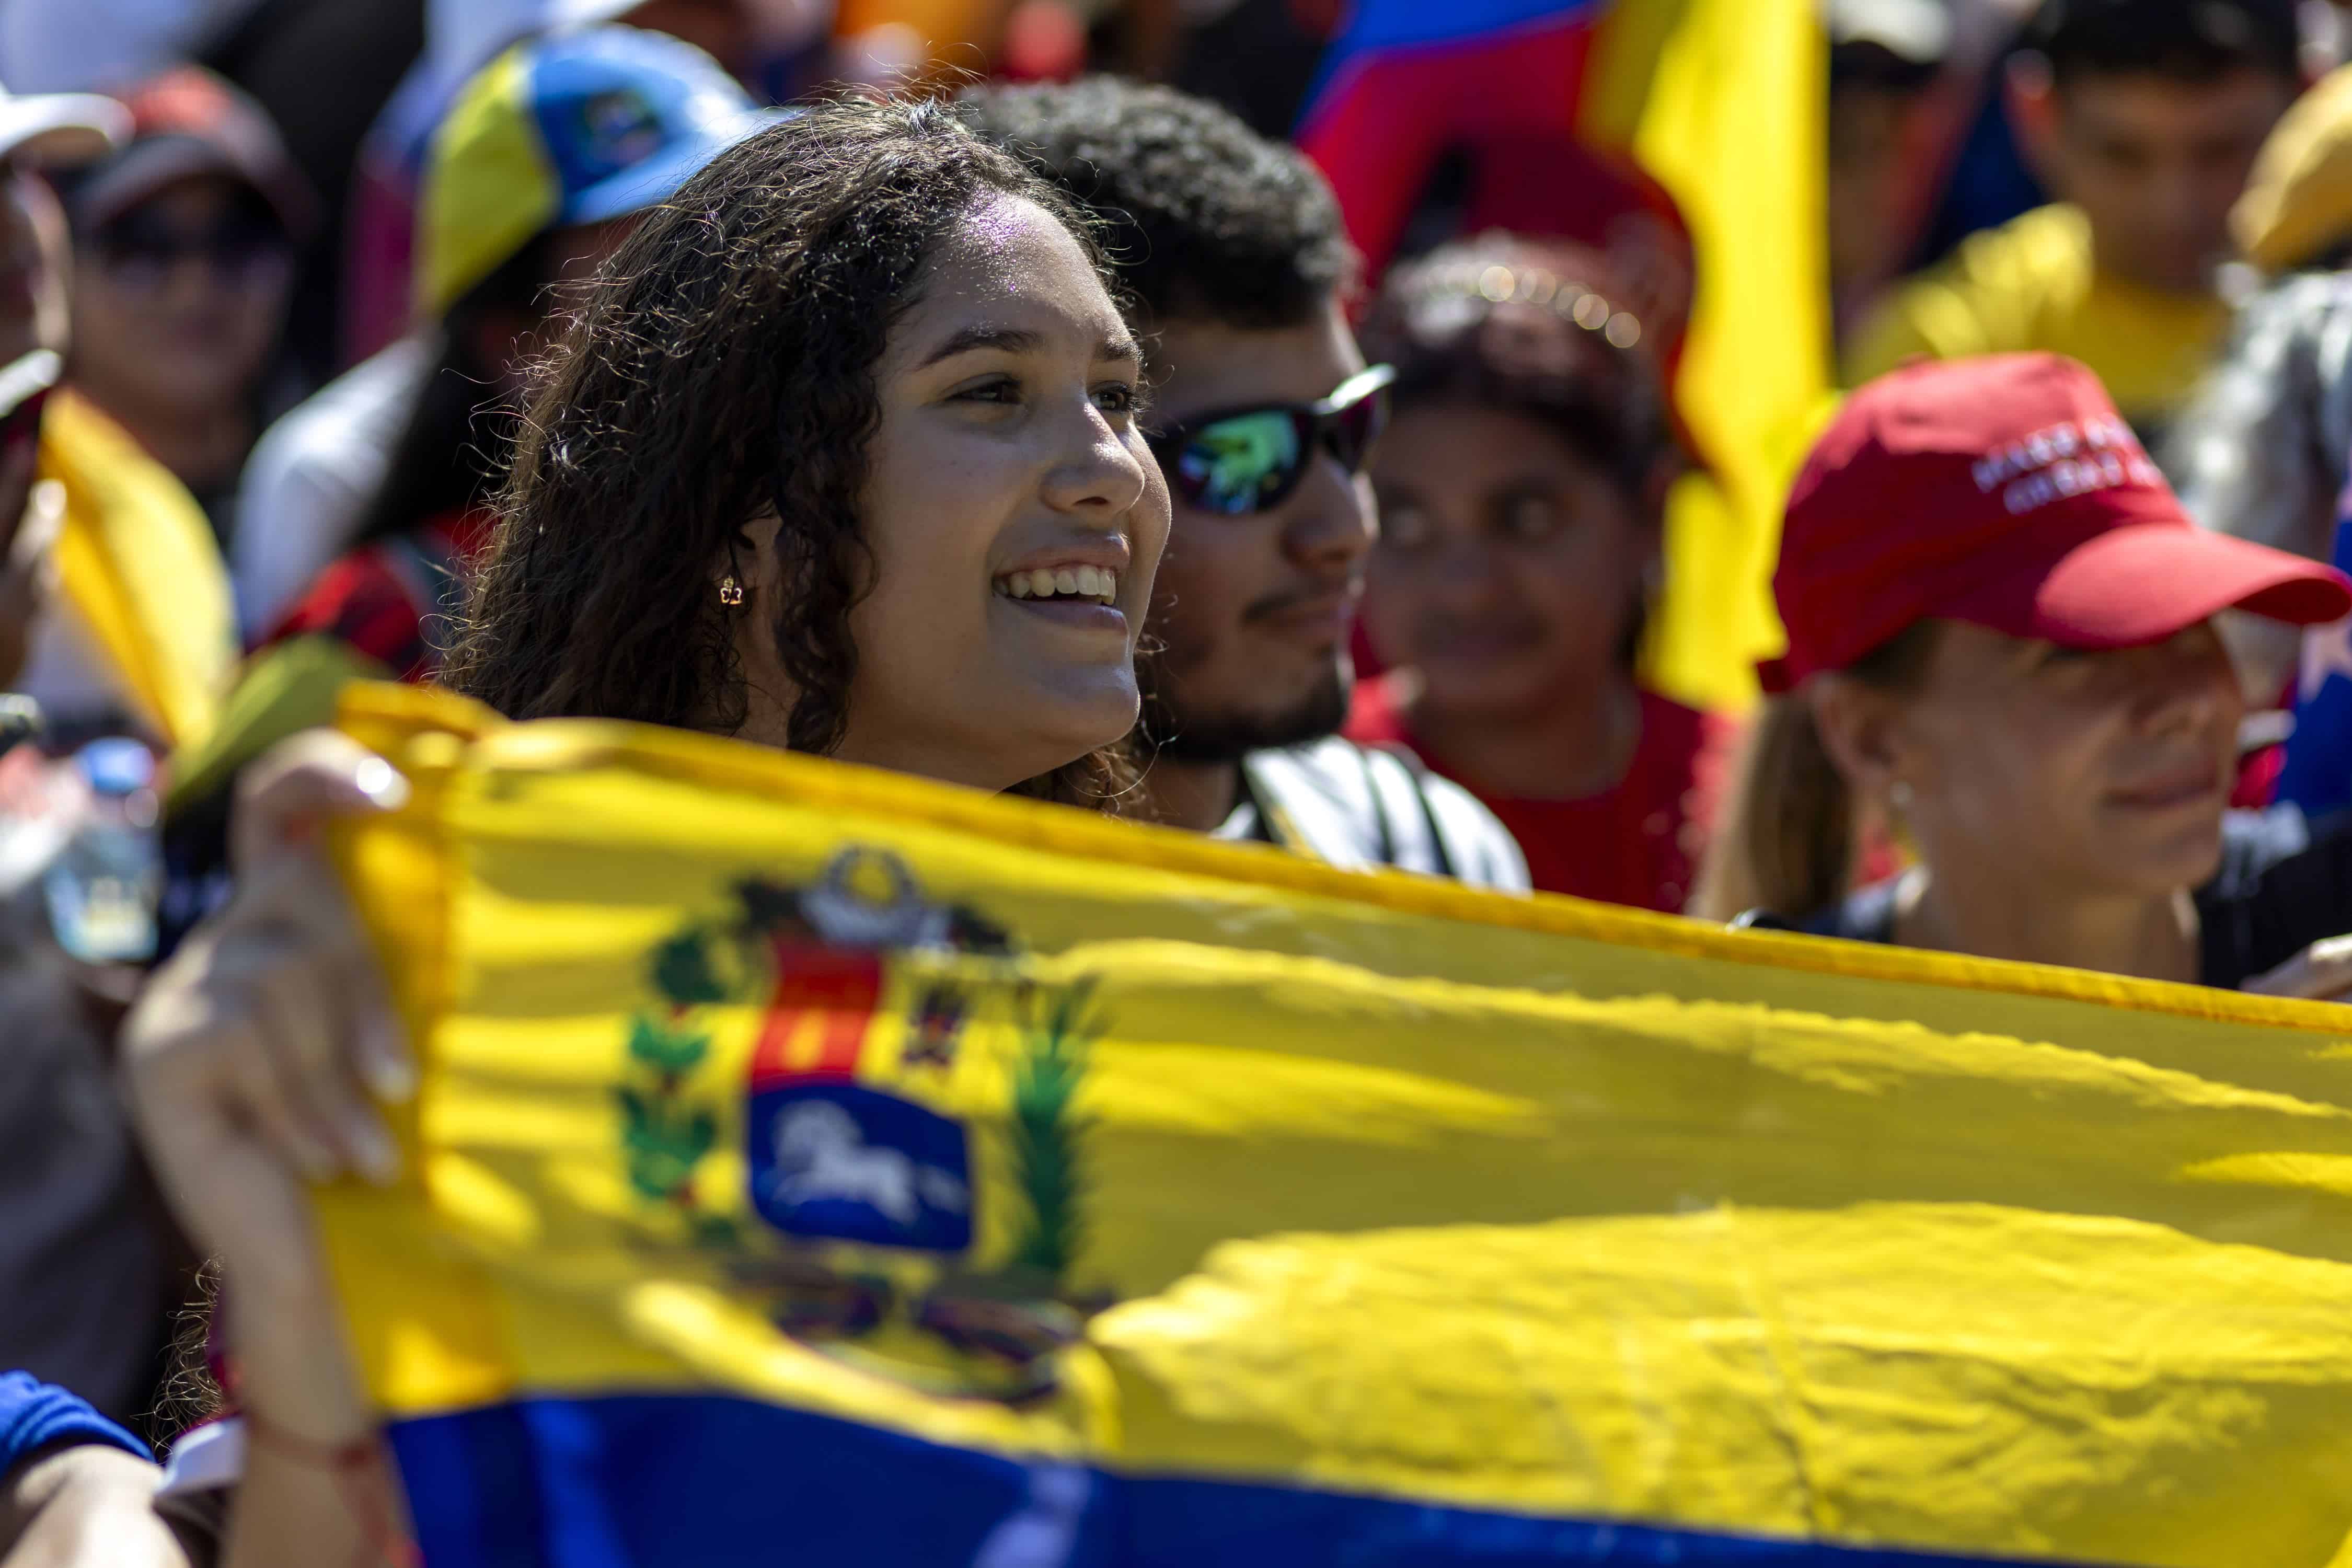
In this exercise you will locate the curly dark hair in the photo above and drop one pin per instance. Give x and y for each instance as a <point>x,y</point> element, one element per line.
<point>1203,216</point>
<point>719,368</point>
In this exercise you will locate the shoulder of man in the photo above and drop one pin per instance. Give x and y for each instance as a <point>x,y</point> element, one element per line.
<point>2283,386</point>
<point>313,471</point>
<point>1361,807</point>
<point>1984,297</point>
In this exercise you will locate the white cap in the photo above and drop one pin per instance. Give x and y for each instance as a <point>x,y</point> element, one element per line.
<point>1919,31</point>
<point>61,127</point>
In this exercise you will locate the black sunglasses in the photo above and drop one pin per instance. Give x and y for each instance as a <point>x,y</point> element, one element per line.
<point>141,249</point>
<point>1244,461</point>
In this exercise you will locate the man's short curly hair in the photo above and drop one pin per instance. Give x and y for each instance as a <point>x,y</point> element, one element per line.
<point>1203,215</point>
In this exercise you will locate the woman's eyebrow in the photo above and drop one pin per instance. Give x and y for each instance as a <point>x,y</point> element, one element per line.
<point>1003,339</point>
<point>1021,340</point>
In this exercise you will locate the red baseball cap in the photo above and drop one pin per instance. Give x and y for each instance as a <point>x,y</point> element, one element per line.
<point>189,122</point>
<point>2007,492</point>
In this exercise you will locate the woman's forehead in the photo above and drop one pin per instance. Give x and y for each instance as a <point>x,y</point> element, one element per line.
<point>1009,254</point>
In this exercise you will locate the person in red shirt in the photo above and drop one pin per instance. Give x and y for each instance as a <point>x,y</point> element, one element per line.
<point>1521,483</point>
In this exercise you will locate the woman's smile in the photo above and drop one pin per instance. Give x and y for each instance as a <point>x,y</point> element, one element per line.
<point>1078,585</point>
<point>1081,598</point>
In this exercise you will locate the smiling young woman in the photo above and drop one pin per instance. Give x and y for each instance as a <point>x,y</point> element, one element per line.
<point>841,455</point>
<point>880,404</point>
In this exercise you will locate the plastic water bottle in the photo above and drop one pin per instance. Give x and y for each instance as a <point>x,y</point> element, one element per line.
<point>103,886</point>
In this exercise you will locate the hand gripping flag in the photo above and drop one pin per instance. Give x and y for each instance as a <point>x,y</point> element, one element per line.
<point>818,1165</point>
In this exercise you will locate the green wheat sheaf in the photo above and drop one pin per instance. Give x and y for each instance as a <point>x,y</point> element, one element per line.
<point>682,971</point>
<point>663,1135</point>
<point>1046,1131</point>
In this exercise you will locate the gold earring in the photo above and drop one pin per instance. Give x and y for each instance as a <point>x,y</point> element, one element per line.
<point>731,592</point>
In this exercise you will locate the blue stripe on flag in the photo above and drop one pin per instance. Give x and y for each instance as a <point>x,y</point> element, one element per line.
<point>1409,23</point>
<point>634,1480</point>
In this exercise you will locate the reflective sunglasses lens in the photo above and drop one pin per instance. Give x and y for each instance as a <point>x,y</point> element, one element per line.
<point>1241,465</point>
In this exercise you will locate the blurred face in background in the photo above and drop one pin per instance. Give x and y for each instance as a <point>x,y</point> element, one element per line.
<point>2155,164</point>
<point>178,299</point>
<point>1253,610</point>
<point>2052,767</point>
<point>1871,128</point>
<point>33,310</point>
<point>1509,567</point>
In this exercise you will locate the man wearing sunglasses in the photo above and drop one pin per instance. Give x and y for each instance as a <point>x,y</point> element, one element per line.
<point>1263,410</point>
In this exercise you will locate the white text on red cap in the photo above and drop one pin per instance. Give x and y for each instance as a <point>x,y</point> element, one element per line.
<point>2064,460</point>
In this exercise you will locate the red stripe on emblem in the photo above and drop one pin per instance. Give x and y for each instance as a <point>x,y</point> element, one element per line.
<point>825,997</point>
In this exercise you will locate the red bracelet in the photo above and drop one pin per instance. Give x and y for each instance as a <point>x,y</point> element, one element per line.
<point>359,1463</point>
<point>320,1456</point>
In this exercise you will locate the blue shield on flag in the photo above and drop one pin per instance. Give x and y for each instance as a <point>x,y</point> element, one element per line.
<point>851,1164</point>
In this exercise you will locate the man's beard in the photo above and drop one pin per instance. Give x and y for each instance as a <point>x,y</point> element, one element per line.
<point>1181,733</point>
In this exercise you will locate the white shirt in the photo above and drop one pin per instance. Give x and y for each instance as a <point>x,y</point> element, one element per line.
<point>312,475</point>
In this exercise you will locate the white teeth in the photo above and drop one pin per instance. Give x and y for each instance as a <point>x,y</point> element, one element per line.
<point>1094,583</point>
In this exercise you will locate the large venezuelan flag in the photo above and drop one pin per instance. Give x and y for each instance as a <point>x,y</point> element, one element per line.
<point>816,1165</point>
<point>1722,102</point>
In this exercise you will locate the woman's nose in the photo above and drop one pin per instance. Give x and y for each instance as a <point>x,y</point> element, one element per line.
<point>1463,571</point>
<point>2187,683</point>
<point>1100,474</point>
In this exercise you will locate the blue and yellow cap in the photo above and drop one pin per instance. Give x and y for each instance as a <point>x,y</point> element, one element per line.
<point>577,128</point>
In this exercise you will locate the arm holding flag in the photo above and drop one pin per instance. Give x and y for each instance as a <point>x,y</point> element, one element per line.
<point>251,1056</point>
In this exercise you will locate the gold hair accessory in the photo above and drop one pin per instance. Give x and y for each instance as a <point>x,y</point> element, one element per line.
<point>1495,284</point>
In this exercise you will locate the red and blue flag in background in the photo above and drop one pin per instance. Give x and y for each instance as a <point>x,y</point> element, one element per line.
<point>1406,81</point>
<point>1683,138</point>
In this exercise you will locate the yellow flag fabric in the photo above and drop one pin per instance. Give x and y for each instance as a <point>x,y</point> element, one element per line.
<point>821,1166</point>
<point>1724,102</point>
<point>137,562</point>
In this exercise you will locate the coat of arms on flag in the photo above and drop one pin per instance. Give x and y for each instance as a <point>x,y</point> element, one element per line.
<point>856,1214</point>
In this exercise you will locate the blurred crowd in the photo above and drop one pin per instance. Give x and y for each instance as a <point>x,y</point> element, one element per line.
<point>2067,676</point>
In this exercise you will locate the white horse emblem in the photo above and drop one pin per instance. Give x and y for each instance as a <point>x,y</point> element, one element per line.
<point>822,1154</point>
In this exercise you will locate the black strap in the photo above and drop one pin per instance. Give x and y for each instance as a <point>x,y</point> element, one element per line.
<point>1445,866</point>
<point>1386,853</point>
<point>1416,784</point>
